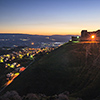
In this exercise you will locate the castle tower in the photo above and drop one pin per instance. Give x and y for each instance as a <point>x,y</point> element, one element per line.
<point>84,33</point>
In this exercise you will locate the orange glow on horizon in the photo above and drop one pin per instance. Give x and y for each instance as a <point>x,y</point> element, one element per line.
<point>43,33</point>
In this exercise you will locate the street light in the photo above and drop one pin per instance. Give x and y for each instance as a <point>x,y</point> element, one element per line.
<point>92,36</point>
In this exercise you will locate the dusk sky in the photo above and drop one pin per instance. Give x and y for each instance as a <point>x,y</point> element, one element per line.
<point>49,17</point>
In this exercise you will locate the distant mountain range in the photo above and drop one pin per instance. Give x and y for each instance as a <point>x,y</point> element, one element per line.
<point>10,40</point>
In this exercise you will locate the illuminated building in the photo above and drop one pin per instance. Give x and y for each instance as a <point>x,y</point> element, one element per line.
<point>88,36</point>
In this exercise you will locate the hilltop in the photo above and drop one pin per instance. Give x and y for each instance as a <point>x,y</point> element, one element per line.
<point>71,67</point>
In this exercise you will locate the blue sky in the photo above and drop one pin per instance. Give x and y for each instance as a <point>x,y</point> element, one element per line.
<point>47,17</point>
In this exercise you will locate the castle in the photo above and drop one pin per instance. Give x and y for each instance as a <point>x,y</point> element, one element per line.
<point>88,36</point>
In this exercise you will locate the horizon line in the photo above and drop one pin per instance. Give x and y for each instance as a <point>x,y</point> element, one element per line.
<point>38,34</point>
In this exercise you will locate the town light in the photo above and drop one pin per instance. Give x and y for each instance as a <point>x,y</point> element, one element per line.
<point>32,43</point>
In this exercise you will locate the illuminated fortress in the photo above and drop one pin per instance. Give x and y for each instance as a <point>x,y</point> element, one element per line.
<point>90,35</point>
<point>87,36</point>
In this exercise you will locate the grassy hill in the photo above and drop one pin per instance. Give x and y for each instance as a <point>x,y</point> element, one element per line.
<point>72,67</point>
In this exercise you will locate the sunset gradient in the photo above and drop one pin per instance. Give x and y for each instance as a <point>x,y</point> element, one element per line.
<point>49,17</point>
